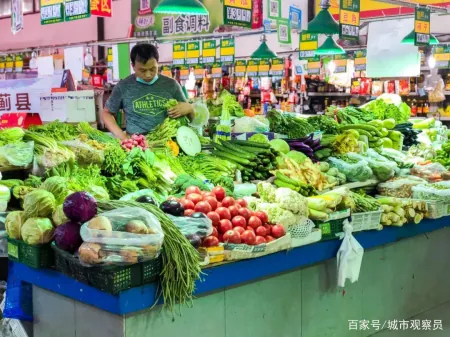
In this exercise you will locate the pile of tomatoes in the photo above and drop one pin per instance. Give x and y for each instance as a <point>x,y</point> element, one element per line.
<point>232,221</point>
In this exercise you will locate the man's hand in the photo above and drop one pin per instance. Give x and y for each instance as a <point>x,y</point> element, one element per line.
<point>182,109</point>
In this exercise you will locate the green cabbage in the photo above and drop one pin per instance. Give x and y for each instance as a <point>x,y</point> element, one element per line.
<point>13,224</point>
<point>56,186</point>
<point>98,192</point>
<point>5,193</point>
<point>58,216</point>
<point>39,203</point>
<point>37,231</point>
<point>279,145</point>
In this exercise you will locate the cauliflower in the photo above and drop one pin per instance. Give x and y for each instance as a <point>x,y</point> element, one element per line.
<point>252,202</point>
<point>278,215</point>
<point>291,201</point>
<point>266,191</point>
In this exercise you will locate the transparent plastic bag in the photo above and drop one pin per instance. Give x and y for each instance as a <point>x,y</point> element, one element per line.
<point>16,154</point>
<point>84,153</point>
<point>432,172</point>
<point>250,124</point>
<point>437,191</point>
<point>95,253</point>
<point>381,167</point>
<point>359,171</point>
<point>194,229</point>
<point>399,188</point>
<point>125,226</point>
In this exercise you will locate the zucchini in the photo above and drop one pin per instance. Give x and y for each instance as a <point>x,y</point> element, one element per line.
<point>232,157</point>
<point>250,144</point>
<point>357,127</point>
<point>281,183</point>
<point>236,151</point>
<point>286,179</point>
<point>255,150</point>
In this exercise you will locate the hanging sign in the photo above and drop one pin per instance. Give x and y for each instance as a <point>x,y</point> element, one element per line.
<point>9,64</point>
<point>263,68</point>
<point>238,13</point>
<point>179,53</point>
<point>308,44</point>
<point>349,20</point>
<point>422,26</point>
<point>240,68</point>
<point>341,63</point>
<point>209,51</point>
<point>52,11</point>
<point>284,31</point>
<point>314,66</point>
<point>274,7</point>
<point>166,71</point>
<point>199,71</point>
<point>2,64</point>
<point>227,51</point>
<point>252,68</point>
<point>277,68</point>
<point>101,8</point>
<point>360,60</point>
<point>441,55</point>
<point>16,16</point>
<point>193,52</point>
<point>216,70</point>
<point>110,58</point>
<point>295,18</point>
<point>77,9</point>
<point>184,72</point>
<point>18,63</point>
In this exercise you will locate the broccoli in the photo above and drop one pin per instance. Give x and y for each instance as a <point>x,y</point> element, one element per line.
<point>259,138</point>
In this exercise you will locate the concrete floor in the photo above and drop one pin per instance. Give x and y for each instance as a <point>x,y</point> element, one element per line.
<point>441,312</point>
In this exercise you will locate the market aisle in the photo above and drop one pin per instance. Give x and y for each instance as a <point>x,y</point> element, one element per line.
<point>440,313</point>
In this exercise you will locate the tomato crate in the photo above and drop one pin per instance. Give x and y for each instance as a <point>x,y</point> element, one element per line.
<point>109,278</point>
<point>334,225</point>
<point>36,256</point>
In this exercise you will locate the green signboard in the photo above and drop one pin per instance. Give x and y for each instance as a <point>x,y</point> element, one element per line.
<point>209,51</point>
<point>284,31</point>
<point>422,26</point>
<point>238,13</point>
<point>52,11</point>
<point>179,53</point>
<point>277,68</point>
<point>360,59</point>
<point>193,52</point>
<point>442,56</point>
<point>349,19</point>
<point>263,68</point>
<point>77,9</point>
<point>308,44</point>
<point>240,67</point>
<point>252,68</point>
<point>227,51</point>
<point>274,8</point>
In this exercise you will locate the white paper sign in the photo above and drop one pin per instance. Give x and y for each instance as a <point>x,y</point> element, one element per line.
<point>73,60</point>
<point>45,66</point>
<point>72,106</point>
<point>16,16</point>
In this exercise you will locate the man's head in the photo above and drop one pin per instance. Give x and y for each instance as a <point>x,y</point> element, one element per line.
<point>144,58</point>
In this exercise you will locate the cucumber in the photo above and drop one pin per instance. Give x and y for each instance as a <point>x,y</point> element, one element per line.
<point>286,179</point>
<point>255,150</point>
<point>237,151</point>
<point>250,144</point>
<point>232,157</point>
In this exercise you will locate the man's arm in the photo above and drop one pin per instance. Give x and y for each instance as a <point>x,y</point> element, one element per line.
<point>183,108</point>
<point>111,124</point>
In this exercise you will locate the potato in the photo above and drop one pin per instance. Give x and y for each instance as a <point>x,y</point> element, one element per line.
<point>100,223</point>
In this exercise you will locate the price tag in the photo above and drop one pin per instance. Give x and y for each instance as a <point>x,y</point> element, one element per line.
<point>179,53</point>
<point>349,19</point>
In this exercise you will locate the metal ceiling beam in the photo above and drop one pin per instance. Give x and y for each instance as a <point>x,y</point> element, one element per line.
<point>433,9</point>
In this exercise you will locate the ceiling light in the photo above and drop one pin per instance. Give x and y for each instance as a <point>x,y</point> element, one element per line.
<point>263,51</point>
<point>190,7</point>
<point>330,47</point>
<point>431,62</point>
<point>324,23</point>
<point>409,39</point>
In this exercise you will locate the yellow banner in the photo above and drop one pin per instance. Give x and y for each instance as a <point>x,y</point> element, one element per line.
<point>422,27</point>
<point>227,51</point>
<point>277,67</point>
<point>177,55</point>
<point>246,4</point>
<point>340,63</point>
<point>361,60</point>
<point>442,57</point>
<point>209,53</point>
<point>314,65</point>
<point>311,45</point>
<point>50,2</point>
<point>349,18</point>
<point>252,68</point>
<point>240,69</point>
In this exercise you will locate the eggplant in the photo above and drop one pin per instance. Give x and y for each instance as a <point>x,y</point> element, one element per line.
<point>172,207</point>
<point>146,199</point>
<point>194,239</point>
<point>198,215</point>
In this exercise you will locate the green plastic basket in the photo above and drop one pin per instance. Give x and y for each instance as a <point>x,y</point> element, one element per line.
<point>330,228</point>
<point>38,256</point>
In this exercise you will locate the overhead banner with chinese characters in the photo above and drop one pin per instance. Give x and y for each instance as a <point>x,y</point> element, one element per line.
<point>179,53</point>
<point>193,52</point>
<point>240,67</point>
<point>360,60</point>
<point>101,8</point>
<point>77,9</point>
<point>238,13</point>
<point>252,68</point>
<point>349,20</point>
<point>52,11</point>
<point>308,44</point>
<point>422,26</point>
<point>277,68</point>
<point>148,24</point>
<point>208,51</point>
<point>227,51</point>
<point>441,55</point>
<point>16,16</point>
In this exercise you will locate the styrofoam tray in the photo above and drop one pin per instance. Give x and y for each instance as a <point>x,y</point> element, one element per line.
<point>315,236</point>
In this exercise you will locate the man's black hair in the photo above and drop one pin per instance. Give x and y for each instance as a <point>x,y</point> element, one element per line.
<point>143,52</point>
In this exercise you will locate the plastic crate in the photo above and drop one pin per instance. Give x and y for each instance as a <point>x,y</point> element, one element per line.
<point>109,278</point>
<point>366,220</point>
<point>334,225</point>
<point>38,256</point>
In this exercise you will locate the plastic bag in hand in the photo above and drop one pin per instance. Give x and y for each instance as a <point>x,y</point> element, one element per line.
<point>349,257</point>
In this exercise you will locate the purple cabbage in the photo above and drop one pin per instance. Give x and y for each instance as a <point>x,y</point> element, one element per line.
<point>80,207</point>
<point>67,237</point>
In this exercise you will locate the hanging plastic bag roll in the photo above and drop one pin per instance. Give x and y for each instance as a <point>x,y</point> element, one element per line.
<point>349,257</point>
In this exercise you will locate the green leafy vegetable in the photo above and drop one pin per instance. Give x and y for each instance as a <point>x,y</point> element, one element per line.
<point>57,130</point>
<point>324,124</point>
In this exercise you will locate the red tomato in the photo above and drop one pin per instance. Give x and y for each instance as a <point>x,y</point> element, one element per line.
<point>254,222</point>
<point>224,213</point>
<point>203,207</point>
<point>228,201</point>
<point>248,237</point>
<point>187,204</point>
<point>261,231</point>
<point>188,212</point>
<point>193,189</point>
<point>240,230</point>
<point>214,217</point>
<point>219,192</point>
<point>278,231</point>
<point>242,202</point>
<point>268,228</point>
<point>269,238</point>
<point>215,232</point>
<point>248,228</point>
<point>195,198</point>
<point>210,241</point>
<point>212,201</point>
<point>237,205</point>
<point>232,237</point>
<point>245,212</point>
<point>233,211</point>
<point>262,216</point>
<point>259,240</point>
<point>225,225</point>
<point>208,194</point>
<point>239,221</point>
<point>219,204</point>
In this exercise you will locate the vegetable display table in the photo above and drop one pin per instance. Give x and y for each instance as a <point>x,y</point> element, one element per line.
<point>276,291</point>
